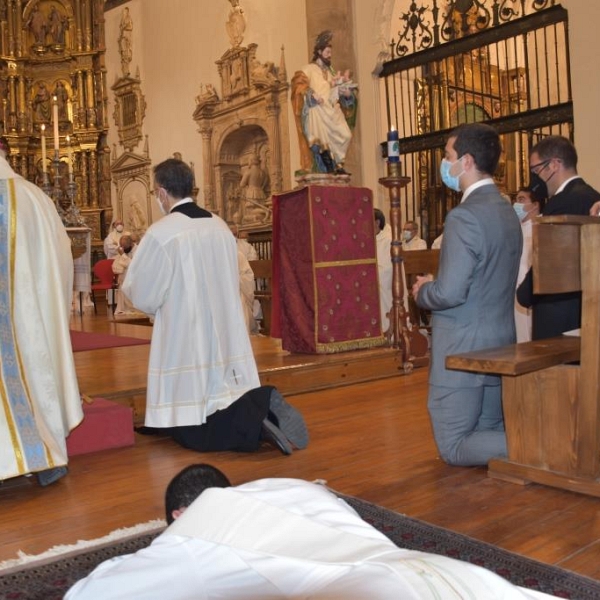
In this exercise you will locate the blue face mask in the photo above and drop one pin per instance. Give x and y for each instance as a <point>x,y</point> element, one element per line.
<point>451,181</point>
<point>520,210</point>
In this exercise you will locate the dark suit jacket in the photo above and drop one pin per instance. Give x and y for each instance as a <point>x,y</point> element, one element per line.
<point>472,299</point>
<point>554,314</point>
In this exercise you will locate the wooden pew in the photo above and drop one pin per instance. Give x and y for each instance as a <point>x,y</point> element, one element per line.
<point>552,408</point>
<point>419,262</point>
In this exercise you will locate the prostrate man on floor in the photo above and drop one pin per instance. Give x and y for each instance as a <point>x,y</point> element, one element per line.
<point>279,538</point>
<point>203,384</point>
<point>38,386</point>
<point>472,299</point>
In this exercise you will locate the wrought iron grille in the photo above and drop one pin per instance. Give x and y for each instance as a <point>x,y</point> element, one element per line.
<point>498,65</point>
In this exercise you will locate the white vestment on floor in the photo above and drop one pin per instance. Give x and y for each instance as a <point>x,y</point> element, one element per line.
<point>186,275</point>
<point>39,395</point>
<point>285,538</point>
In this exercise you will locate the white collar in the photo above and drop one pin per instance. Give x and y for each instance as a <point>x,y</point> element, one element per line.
<point>565,183</point>
<point>474,186</point>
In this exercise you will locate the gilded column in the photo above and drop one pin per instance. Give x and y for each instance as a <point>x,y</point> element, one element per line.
<point>207,159</point>
<point>273,110</point>
<point>91,112</point>
<point>19,32</point>
<point>85,196</point>
<point>79,25</point>
<point>81,113</point>
<point>22,109</point>
<point>93,177</point>
<point>10,27</point>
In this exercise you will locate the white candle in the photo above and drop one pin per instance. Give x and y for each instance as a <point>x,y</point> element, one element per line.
<point>55,120</point>
<point>70,155</point>
<point>44,167</point>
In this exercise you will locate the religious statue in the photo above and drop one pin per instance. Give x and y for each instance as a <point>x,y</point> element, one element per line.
<point>255,186</point>
<point>236,24</point>
<point>324,103</point>
<point>38,25</point>
<point>125,42</point>
<point>42,108</point>
<point>207,95</point>
<point>58,25</point>
<point>136,219</point>
<point>263,74</point>
<point>62,99</point>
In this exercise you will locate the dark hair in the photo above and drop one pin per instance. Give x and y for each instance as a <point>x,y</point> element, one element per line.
<point>541,202</point>
<point>189,483</point>
<point>322,41</point>
<point>556,146</point>
<point>4,145</point>
<point>482,142</point>
<point>176,177</point>
<point>379,216</point>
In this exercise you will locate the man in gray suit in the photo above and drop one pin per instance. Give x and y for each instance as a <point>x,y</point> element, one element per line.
<point>472,299</point>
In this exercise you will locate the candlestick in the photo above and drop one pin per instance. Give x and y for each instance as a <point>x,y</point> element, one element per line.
<point>70,155</point>
<point>44,167</point>
<point>55,120</point>
<point>393,146</point>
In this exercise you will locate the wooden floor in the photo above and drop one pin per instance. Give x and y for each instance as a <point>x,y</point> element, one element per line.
<point>369,439</point>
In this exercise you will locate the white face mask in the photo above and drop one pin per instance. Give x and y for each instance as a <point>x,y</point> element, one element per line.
<point>406,236</point>
<point>119,228</point>
<point>160,205</point>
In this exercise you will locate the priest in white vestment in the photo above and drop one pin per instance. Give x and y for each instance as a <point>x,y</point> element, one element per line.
<point>285,538</point>
<point>40,401</point>
<point>186,275</point>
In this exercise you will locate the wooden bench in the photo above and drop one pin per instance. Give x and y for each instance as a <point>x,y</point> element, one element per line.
<point>552,406</point>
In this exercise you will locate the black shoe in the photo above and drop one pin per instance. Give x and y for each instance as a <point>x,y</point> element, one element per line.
<point>272,434</point>
<point>288,419</point>
<point>143,430</point>
<point>51,475</point>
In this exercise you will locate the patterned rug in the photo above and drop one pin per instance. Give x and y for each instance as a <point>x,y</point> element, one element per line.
<point>50,581</point>
<point>85,340</point>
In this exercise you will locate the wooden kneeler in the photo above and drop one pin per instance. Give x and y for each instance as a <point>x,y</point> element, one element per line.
<point>552,408</point>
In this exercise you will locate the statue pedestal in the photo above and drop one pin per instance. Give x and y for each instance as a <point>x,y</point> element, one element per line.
<point>325,288</point>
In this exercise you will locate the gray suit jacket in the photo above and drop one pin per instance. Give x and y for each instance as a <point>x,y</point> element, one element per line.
<point>472,299</point>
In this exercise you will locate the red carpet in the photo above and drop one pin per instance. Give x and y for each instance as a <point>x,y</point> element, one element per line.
<point>84,340</point>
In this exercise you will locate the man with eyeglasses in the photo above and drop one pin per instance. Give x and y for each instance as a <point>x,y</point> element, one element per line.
<point>553,165</point>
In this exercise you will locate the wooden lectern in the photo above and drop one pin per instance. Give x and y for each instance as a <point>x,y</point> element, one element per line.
<point>552,406</point>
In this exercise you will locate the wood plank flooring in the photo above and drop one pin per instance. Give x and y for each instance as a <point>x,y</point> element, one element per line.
<point>370,439</point>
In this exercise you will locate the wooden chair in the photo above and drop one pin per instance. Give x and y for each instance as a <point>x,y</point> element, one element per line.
<point>263,274</point>
<point>419,262</point>
<point>552,406</point>
<point>104,277</point>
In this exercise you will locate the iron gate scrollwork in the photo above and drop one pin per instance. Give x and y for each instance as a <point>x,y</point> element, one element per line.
<point>502,62</point>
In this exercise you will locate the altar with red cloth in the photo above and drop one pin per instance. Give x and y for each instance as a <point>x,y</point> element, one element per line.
<point>325,289</point>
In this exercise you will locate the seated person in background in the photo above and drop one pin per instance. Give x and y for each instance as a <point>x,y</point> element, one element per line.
<point>410,237</point>
<point>125,253</point>
<point>111,241</point>
<point>437,243</point>
<point>249,253</point>
<point>383,239</point>
<point>527,206</point>
<point>279,538</point>
<point>553,167</point>
<point>247,291</point>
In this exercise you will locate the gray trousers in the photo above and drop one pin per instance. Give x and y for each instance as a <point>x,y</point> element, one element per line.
<point>468,425</point>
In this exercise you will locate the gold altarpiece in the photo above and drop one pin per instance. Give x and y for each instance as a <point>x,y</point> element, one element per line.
<point>52,52</point>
